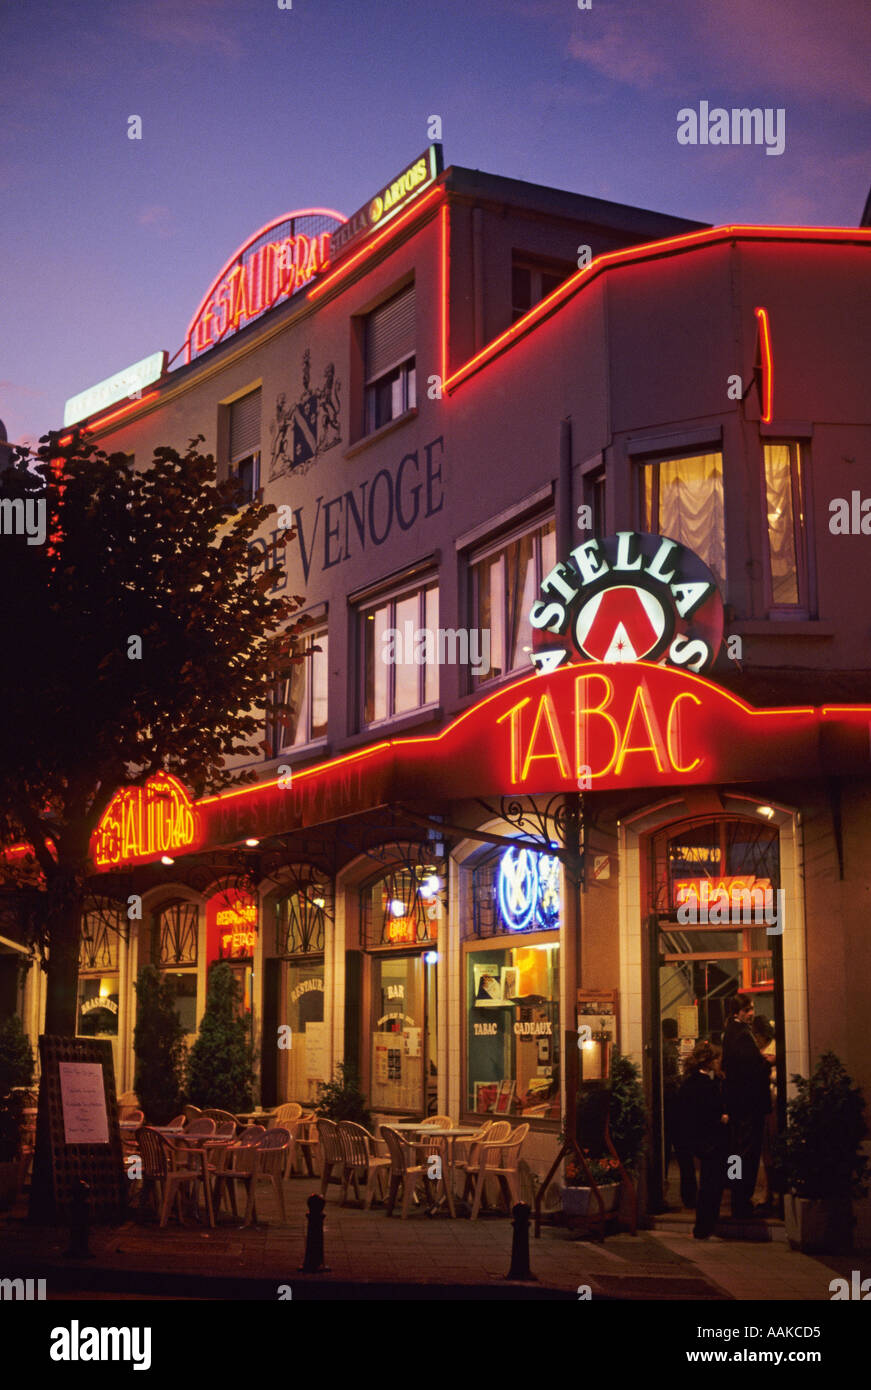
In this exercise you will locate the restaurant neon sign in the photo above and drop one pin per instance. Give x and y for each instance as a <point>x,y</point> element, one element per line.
<point>141,823</point>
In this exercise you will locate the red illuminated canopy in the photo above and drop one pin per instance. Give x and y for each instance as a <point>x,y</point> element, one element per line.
<point>590,727</point>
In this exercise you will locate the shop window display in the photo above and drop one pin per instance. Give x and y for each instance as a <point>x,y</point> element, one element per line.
<point>513,1030</point>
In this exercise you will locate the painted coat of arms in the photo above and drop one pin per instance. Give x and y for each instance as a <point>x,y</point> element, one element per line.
<point>309,426</point>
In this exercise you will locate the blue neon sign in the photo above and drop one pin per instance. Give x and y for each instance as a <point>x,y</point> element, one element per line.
<point>528,889</point>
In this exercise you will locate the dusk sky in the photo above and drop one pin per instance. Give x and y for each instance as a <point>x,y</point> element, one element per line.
<point>249,111</point>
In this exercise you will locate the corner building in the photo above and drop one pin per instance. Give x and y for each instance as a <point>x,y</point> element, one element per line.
<point>445,868</point>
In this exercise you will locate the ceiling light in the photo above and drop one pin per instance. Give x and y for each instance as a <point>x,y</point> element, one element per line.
<point>767,811</point>
<point>252,842</point>
<point>165,859</point>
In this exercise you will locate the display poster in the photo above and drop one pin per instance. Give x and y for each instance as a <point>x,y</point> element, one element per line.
<point>316,1050</point>
<point>411,1039</point>
<point>688,1021</point>
<point>83,1100</point>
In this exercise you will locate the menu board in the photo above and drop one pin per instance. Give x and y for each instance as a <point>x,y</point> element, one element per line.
<point>83,1100</point>
<point>316,1050</point>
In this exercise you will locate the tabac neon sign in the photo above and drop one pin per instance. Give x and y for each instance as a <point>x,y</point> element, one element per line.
<point>272,265</point>
<point>143,823</point>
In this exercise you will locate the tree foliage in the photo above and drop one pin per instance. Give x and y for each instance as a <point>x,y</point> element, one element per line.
<point>159,554</point>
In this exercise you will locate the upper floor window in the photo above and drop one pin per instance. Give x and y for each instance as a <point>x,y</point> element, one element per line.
<point>533,280</point>
<point>683,498</point>
<point>245,445</point>
<point>400,666</point>
<point>389,345</point>
<point>297,713</point>
<point>785,509</point>
<point>504,580</point>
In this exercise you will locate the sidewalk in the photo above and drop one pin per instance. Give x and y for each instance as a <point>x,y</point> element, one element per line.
<point>394,1258</point>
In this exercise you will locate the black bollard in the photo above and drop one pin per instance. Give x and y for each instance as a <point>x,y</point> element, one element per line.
<point>520,1245</point>
<point>313,1260</point>
<point>79,1223</point>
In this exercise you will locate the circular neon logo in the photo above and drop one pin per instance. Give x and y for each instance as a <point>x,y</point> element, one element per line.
<point>376,208</point>
<point>620,624</point>
<point>528,889</point>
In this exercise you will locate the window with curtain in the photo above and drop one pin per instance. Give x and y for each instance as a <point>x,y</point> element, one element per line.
<point>396,678</point>
<point>504,581</point>
<point>784,505</point>
<point>298,712</point>
<point>683,499</point>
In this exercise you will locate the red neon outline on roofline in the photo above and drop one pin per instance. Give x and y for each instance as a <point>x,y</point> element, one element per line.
<point>240,252</point>
<point>370,246</point>
<point>646,251</point>
<point>102,420</point>
<point>767,366</point>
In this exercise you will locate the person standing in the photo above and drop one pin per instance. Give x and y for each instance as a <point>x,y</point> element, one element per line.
<point>674,1135</point>
<point>705,1125</point>
<point>747,1100</point>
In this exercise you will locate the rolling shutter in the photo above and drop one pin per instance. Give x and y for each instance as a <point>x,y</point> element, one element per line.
<point>390,335</point>
<point>245,426</point>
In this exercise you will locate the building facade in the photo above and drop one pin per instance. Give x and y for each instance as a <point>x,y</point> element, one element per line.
<point>577,498</point>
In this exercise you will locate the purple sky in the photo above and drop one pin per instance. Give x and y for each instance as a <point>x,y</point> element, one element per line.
<point>249,111</point>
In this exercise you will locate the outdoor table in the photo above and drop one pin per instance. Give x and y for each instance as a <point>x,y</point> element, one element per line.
<point>450,1136</point>
<point>257,1117</point>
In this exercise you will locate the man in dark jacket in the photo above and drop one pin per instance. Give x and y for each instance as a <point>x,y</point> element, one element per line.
<point>704,1124</point>
<point>747,1100</point>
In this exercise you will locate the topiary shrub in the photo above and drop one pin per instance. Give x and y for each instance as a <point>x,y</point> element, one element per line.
<point>219,1072</point>
<point>819,1155</point>
<point>342,1098</point>
<point>158,1044</point>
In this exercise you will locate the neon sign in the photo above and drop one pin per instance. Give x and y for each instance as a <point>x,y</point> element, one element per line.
<point>236,921</point>
<point>130,383</point>
<point>388,201</point>
<point>628,597</point>
<point>276,262</point>
<point>722,892</point>
<point>528,889</point>
<point>141,823</point>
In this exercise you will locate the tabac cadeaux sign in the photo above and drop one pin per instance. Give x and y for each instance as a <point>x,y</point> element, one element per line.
<point>625,598</point>
<point>271,266</point>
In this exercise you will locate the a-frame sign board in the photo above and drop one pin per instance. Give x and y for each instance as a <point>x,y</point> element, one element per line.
<point>77,1134</point>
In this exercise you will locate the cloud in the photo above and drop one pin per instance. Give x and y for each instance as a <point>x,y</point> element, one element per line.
<point>158,216</point>
<point>186,24</point>
<point>619,52</point>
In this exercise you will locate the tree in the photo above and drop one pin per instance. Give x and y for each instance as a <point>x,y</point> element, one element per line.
<point>219,1071</point>
<point>158,1043</point>
<point>159,555</point>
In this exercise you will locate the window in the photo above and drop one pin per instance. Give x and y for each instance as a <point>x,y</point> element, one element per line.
<point>389,344</point>
<point>513,1029</point>
<point>594,497</point>
<point>532,281</point>
<point>98,973</point>
<point>245,445</point>
<point>683,499</point>
<point>504,581</point>
<point>395,679</point>
<point>297,714</point>
<point>784,505</point>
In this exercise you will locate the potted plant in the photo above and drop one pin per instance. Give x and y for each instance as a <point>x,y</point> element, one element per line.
<point>342,1099</point>
<point>16,1070</point>
<point>219,1072</point>
<point>158,1044</point>
<point>577,1195</point>
<point>819,1158</point>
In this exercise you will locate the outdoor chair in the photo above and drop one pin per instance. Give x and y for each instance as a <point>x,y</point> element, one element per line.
<point>359,1159</point>
<point>199,1127</point>
<point>177,1121</point>
<point>168,1172</point>
<point>438,1122</point>
<point>131,1114</point>
<point>191,1112</point>
<point>287,1117</point>
<point>403,1170</point>
<point>305,1140</point>
<point>222,1117</point>
<point>250,1164</point>
<point>330,1149</point>
<point>498,1160</point>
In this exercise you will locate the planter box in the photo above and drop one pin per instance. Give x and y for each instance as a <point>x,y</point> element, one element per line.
<point>818,1226</point>
<point>580,1201</point>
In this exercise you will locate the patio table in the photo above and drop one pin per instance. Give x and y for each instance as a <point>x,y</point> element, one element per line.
<point>450,1136</point>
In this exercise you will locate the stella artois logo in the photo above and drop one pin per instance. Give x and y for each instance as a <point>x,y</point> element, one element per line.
<point>628,597</point>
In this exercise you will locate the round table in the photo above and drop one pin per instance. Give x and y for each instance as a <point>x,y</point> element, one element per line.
<point>450,1136</point>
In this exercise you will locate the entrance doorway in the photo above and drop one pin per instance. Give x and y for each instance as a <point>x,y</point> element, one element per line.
<point>714,931</point>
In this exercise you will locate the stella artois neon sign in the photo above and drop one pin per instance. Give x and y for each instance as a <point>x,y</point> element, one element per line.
<point>628,597</point>
<point>143,823</point>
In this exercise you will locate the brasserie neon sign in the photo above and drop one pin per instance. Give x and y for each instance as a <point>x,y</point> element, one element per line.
<point>271,266</point>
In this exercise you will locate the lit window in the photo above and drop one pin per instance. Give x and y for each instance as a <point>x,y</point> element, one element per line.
<point>504,581</point>
<point>784,505</point>
<point>683,499</point>
<point>395,678</point>
<point>389,342</point>
<point>298,712</point>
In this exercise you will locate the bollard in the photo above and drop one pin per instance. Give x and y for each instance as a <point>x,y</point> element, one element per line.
<point>520,1245</point>
<point>79,1225</point>
<point>313,1260</point>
